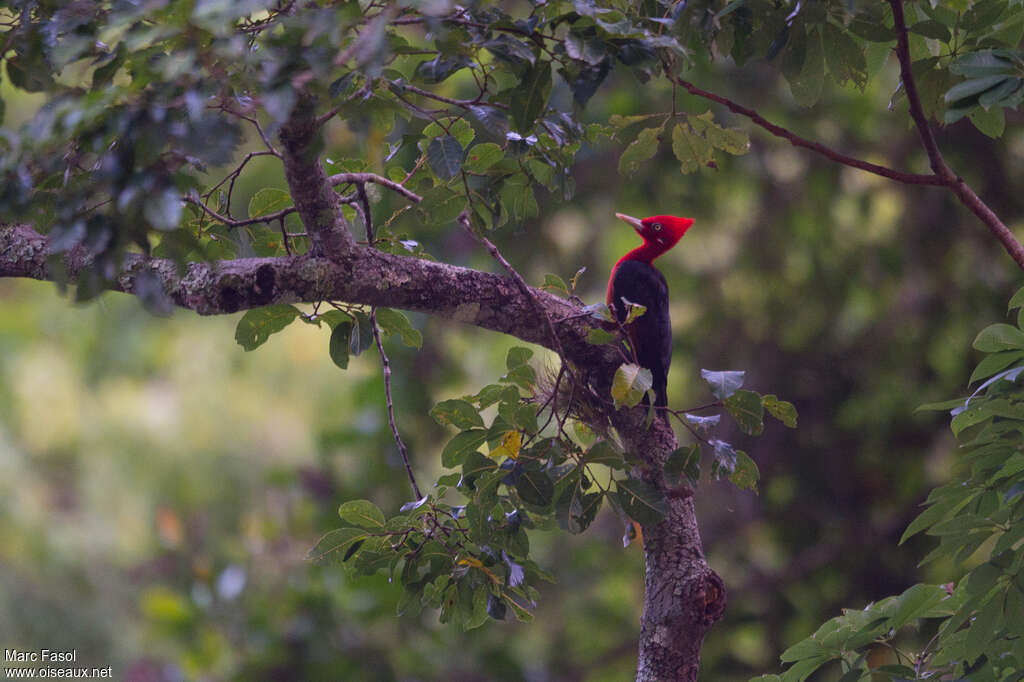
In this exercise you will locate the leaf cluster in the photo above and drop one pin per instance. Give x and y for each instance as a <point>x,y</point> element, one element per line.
<point>978,520</point>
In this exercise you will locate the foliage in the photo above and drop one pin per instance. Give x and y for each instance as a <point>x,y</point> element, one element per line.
<point>472,559</point>
<point>978,518</point>
<point>143,100</point>
<point>151,100</point>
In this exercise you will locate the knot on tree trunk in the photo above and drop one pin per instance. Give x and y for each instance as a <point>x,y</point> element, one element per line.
<point>712,596</point>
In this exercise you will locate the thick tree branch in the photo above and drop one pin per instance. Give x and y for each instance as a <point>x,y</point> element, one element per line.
<point>363,275</point>
<point>319,206</point>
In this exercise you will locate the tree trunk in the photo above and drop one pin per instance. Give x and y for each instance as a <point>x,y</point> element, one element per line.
<point>683,596</point>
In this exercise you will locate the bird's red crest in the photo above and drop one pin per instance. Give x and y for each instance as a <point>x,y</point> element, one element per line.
<point>660,233</point>
<point>664,230</point>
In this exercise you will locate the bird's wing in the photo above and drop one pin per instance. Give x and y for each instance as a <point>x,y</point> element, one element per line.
<point>641,283</point>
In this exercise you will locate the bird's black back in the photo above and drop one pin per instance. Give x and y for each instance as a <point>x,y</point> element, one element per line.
<point>641,283</point>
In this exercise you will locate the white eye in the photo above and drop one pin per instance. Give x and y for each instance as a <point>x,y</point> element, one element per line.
<point>656,227</point>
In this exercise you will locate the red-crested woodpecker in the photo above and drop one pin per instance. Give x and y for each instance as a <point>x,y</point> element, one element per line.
<point>635,279</point>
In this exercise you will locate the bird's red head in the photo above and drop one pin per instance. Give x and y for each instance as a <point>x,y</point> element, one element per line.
<point>660,233</point>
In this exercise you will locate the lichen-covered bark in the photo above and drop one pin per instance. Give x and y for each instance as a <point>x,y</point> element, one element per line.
<point>683,597</point>
<point>363,275</point>
<point>317,203</point>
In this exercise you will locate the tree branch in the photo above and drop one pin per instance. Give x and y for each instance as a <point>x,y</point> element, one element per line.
<point>319,206</point>
<point>797,141</point>
<point>943,176</point>
<point>964,193</point>
<point>363,276</point>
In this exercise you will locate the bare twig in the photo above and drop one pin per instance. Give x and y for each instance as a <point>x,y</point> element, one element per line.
<point>232,222</point>
<point>356,178</point>
<point>364,204</point>
<point>939,166</point>
<point>386,364</point>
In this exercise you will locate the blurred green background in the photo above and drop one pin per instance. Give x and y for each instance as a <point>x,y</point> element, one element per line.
<point>159,487</point>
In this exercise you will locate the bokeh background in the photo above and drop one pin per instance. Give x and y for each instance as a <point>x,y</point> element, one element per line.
<point>160,487</point>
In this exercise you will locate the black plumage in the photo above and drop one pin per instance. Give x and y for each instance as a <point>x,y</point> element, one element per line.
<point>651,333</point>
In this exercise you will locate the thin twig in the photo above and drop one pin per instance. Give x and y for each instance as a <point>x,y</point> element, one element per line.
<point>939,166</point>
<point>355,178</point>
<point>364,203</point>
<point>464,103</point>
<point>391,406</point>
<point>231,222</point>
<point>521,283</point>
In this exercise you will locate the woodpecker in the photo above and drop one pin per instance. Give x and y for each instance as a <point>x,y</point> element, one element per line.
<point>635,279</point>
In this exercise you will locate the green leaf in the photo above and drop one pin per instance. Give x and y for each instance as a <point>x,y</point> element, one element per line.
<point>482,156</point>
<point>362,514</point>
<point>630,384</point>
<point>746,408</point>
<point>872,30</point>
<point>806,86</point>
<point>517,356</point>
<point>934,514</point>
<point>639,150</point>
<point>477,464</point>
<point>440,206</point>
<point>604,452</point>
<point>641,501</point>
<point>985,627</point>
<point>258,324</point>
<point>930,28</point>
<point>458,413</point>
<point>915,602</point>
<point>730,140</point>
<point>517,198</point>
<point>268,200</point>
<point>444,154</point>
<point>994,363</point>
<point>991,123</point>
<point>981,63</point>
<point>337,546</point>
<point>341,336</point>
<point>746,474</point>
<point>723,384</point>
<point>683,461</point>
<point>535,487</point>
<point>600,337</point>
<point>972,87</point>
<point>782,410</point>
<point>530,100</point>
<point>394,322</point>
<point>555,284</point>
<point>844,56</point>
<point>998,337</point>
<point>693,150</point>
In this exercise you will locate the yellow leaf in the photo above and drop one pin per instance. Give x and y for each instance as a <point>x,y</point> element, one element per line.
<point>510,444</point>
